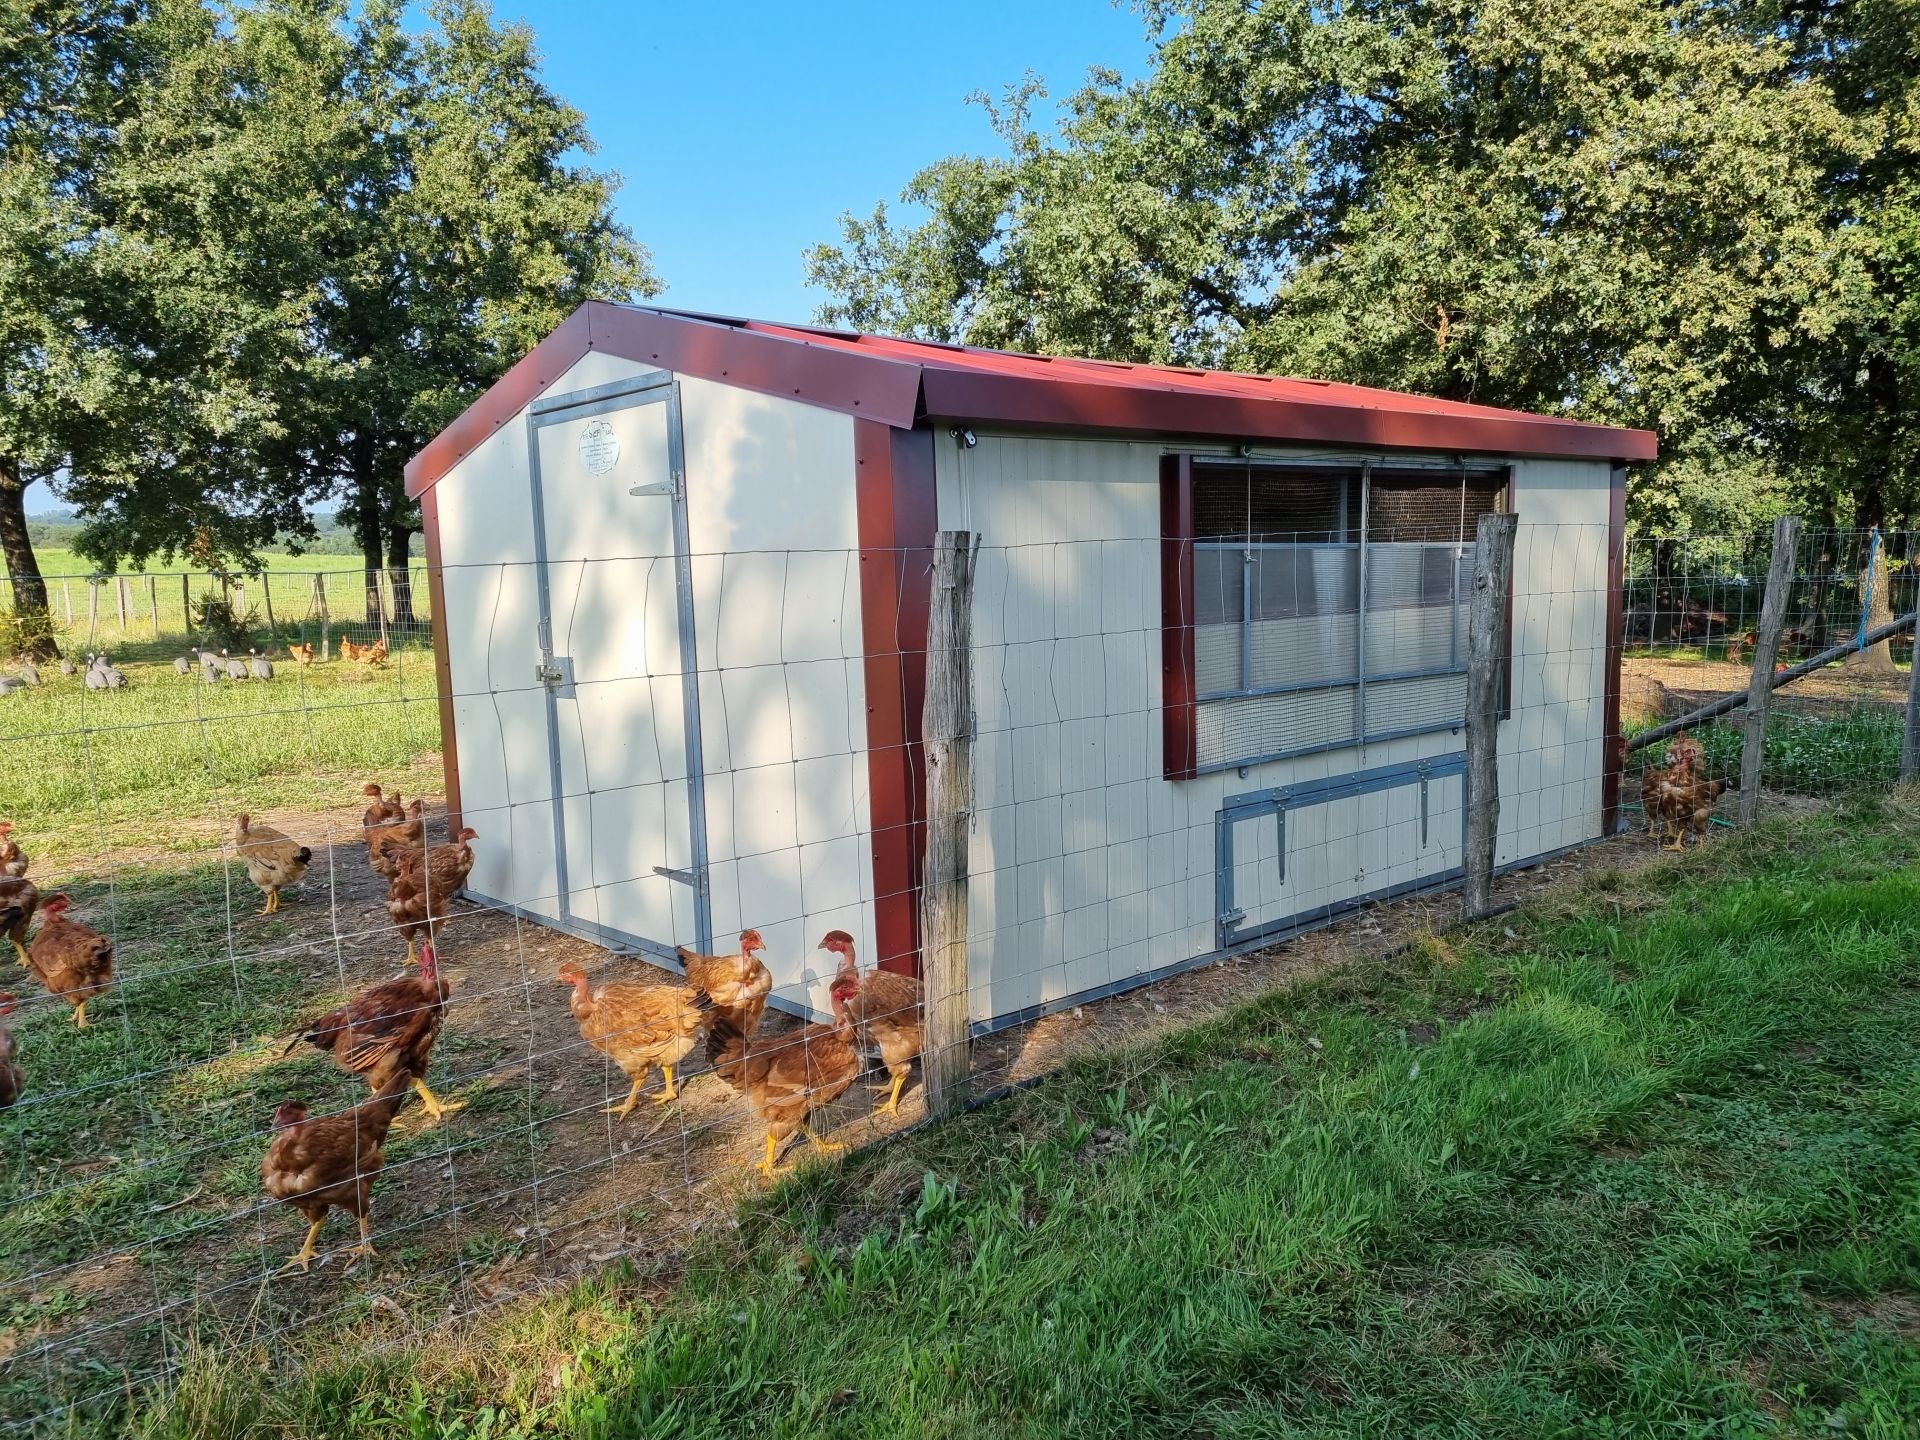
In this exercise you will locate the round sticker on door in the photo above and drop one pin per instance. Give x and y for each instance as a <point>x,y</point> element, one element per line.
<point>599,448</point>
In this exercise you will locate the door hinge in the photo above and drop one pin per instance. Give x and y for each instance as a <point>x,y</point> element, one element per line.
<point>670,486</point>
<point>696,878</point>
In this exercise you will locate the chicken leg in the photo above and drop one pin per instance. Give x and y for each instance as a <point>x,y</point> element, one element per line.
<point>766,1167</point>
<point>1679,839</point>
<point>433,1104</point>
<point>892,1107</point>
<point>80,1021</point>
<point>20,952</point>
<point>304,1256</point>
<point>413,954</point>
<point>670,1093</point>
<point>364,1250</point>
<point>832,1147</point>
<point>273,903</point>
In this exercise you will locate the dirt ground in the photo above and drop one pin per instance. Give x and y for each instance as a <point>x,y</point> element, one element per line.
<point>532,1183</point>
<point>1659,688</point>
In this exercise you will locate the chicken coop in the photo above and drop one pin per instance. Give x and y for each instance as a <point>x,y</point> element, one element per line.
<point>681,592</point>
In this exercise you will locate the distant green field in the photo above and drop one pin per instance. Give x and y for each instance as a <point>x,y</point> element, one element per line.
<point>57,562</point>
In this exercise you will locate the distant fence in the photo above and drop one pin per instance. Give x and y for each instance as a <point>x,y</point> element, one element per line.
<point>275,608</point>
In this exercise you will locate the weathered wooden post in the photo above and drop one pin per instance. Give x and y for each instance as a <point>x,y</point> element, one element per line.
<point>186,604</point>
<point>93,611</point>
<point>947,728</point>
<point>66,595</point>
<point>320,600</point>
<point>1910,746</point>
<point>266,596</point>
<point>1486,651</point>
<point>1766,646</point>
<point>120,599</point>
<point>153,603</point>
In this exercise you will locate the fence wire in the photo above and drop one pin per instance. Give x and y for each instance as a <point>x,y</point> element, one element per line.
<point>1106,901</point>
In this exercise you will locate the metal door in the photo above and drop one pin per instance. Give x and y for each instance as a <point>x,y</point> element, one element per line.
<point>1298,854</point>
<point>616,658</point>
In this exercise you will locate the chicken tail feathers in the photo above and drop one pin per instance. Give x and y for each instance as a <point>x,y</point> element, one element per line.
<point>304,854</point>
<point>727,1050</point>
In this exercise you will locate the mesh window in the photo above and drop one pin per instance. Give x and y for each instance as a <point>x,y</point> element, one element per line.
<point>1273,502</point>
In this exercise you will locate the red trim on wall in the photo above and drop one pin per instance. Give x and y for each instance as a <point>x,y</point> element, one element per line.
<point>1178,712</point>
<point>896,502</point>
<point>1506,660</point>
<point>442,660</point>
<point>1614,757</point>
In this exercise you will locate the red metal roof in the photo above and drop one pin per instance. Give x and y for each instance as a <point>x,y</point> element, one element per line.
<point>909,382</point>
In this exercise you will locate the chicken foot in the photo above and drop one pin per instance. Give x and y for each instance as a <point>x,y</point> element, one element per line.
<point>304,1256</point>
<point>80,1021</point>
<point>433,1104</point>
<point>273,903</point>
<point>892,1107</point>
<point>20,951</point>
<point>364,1250</point>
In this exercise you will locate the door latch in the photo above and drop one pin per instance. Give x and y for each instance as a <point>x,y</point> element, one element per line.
<point>555,672</point>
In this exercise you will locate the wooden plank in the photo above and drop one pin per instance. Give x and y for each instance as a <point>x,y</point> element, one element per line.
<point>1486,645</point>
<point>1773,619</point>
<point>947,729</point>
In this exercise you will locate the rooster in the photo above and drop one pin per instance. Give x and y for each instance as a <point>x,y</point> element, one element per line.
<point>318,1165</point>
<point>13,1080</point>
<point>886,1013</point>
<point>637,1027</point>
<point>387,1030</point>
<point>72,960</point>
<point>786,1078</point>
<point>738,985</point>
<point>18,900</point>
<point>273,861</point>
<point>13,860</point>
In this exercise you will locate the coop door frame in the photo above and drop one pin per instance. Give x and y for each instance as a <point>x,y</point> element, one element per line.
<point>1278,802</point>
<point>555,673</point>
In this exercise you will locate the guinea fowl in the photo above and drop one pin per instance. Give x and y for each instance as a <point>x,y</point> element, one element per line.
<point>19,898</point>
<point>30,673</point>
<point>389,1029</point>
<point>183,665</point>
<point>259,665</point>
<point>236,667</point>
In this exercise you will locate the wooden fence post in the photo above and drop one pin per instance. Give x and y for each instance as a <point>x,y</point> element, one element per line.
<point>153,603</point>
<point>1910,746</point>
<point>266,595</point>
<point>186,604</point>
<point>121,598</point>
<point>320,599</point>
<point>93,611</point>
<point>1766,646</point>
<point>947,730</point>
<point>1486,648</point>
<point>67,596</point>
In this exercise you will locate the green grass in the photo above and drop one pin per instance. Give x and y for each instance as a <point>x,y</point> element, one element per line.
<point>56,561</point>
<point>1805,753</point>
<point>1644,1162</point>
<point>89,772</point>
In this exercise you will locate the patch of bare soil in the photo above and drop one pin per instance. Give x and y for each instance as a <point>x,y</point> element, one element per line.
<point>532,1182</point>
<point>1665,689</point>
<point>1895,1311</point>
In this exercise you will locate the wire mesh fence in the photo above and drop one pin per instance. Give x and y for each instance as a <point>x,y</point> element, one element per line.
<point>748,785</point>
<point>1692,609</point>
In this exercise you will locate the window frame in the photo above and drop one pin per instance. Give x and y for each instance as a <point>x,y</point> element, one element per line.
<point>1182,697</point>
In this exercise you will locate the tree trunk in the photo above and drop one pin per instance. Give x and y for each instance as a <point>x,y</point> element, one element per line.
<point>367,508</point>
<point>1873,573</point>
<point>399,578</point>
<point>30,607</point>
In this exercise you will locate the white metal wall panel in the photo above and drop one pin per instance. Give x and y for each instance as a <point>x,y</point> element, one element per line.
<point>1088,869</point>
<point>776,576</point>
<point>500,725</point>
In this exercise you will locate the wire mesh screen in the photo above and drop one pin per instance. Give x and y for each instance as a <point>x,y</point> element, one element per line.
<point>495,1039</point>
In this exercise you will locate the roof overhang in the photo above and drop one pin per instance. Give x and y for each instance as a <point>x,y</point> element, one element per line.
<point>903,383</point>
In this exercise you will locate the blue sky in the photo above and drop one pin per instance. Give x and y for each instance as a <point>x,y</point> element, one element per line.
<point>741,132</point>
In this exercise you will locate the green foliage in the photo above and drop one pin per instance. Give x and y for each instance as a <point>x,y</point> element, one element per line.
<point>1674,219</point>
<point>25,633</point>
<point>217,624</point>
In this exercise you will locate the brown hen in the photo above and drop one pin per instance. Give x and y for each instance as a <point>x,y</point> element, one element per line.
<point>886,1014</point>
<point>785,1078</point>
<point>738,984</point>
<point>13,860</point>
<point>319,1165</point>
<point>637,1027</point>
<point>420,897</point>
<point>72,961</point>
<point>385,842</point>
<point>387,1030</point>
<point>273,861</point>
<point>19,898</point>
<point>13,1080</point>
